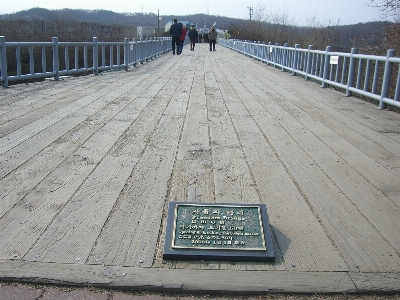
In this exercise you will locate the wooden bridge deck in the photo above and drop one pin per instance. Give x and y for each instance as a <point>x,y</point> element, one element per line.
<point>88,166</point>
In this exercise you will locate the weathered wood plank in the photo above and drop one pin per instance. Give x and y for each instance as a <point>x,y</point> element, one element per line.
<point>83,216</point>
<point>93,93</point>
<point>233,182</point>
<point>205,126</point>
<point>33,108</point>
<point>103,187</point>
<point>368,133</point>
<point>16,101</point>
<point>16,137</point>
<point>344,224</point>
<point>131,233</point>
<point>167,280</point>
<point>295,229</point>
<point>28,176</point>
<point>107,245</point>
<point>331,154</point>
<point>377,174</point>
<point>192,179</point>
<point>91,118</point>
<point>16,93</point>
<point>376,282</point>
<point>39,208</point>
<point>233,179</point>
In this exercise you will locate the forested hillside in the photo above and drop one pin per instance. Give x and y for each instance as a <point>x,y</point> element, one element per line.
<point>40,24</point>
<point>108,17</point>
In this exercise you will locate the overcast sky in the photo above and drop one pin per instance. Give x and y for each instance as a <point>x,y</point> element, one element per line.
<point>300,11</point>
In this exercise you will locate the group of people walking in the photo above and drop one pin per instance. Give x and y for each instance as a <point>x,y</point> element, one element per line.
<point>178,34</point>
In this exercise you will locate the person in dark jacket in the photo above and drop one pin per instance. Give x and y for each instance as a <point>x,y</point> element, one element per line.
<point>212,35</point>
<point>175,31</point>
<point>193,35</point>
<point>182,39</point>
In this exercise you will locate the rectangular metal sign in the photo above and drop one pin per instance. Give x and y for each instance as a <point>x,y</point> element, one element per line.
<point>334,60</point>
<point>201,231</point>
<point>218,227</point>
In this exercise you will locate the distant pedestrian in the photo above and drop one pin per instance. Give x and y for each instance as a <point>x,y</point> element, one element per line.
<point>182,39</point>
<point>205,37</point>
<point>175,31</point>
<point>212,36</point>
<point>200,38</point>
<point>193,35</point>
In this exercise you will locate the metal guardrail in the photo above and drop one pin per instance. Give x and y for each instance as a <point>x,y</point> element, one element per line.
<point>367,75</point>
<point>54,59</point>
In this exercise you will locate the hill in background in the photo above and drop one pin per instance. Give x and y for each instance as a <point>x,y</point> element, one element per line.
<point>108,17</point>
<point>41,24</point>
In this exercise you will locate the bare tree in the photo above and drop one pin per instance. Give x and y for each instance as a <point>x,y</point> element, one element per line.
<point>260,13</point>
<point>321,35</point>
<point>388,8</point>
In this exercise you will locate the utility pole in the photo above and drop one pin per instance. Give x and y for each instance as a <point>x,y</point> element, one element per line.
<point>250,11</point>
<point>158,23</point>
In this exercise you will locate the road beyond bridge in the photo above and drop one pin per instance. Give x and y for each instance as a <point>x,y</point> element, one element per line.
<point>89,165</point>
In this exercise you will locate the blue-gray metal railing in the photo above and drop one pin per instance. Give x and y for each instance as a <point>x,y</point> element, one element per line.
<point>367,75</point>
<point>54,59</point>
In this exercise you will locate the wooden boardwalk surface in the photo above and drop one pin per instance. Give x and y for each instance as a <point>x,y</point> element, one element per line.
<point>89,164</point>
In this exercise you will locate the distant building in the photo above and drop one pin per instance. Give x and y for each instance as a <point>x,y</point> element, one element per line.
<point>144,32</point>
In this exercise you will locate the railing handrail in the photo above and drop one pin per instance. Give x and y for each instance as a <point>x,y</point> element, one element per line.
<point>54,59</point>
<point>371,76</point>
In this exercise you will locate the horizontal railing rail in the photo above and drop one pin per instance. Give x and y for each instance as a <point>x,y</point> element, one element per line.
<point>374,77</point>
<point>31,60</point>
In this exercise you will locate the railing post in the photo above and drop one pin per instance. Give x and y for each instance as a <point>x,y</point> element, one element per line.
<point>352,67</point>
<point>139,51</point>
<point>96,56</point>
<point>295,59</point>
<point>126,54</point>
<point>275,54</point>
<point>56,62</point>
<point>326,66</point>
<point>3,61</point>
<point>269,54</point>
<point>155,47</point>
<point>146,49</point>
<point>386,78</point>
<point>134,52</point>
<point>285,51</point>
<point>308,68</point>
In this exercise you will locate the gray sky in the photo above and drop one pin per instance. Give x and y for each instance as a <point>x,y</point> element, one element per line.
<point>340,12</point>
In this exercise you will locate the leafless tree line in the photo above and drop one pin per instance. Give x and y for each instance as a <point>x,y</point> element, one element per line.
<point>65,29</point>
<point>278,27</point>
